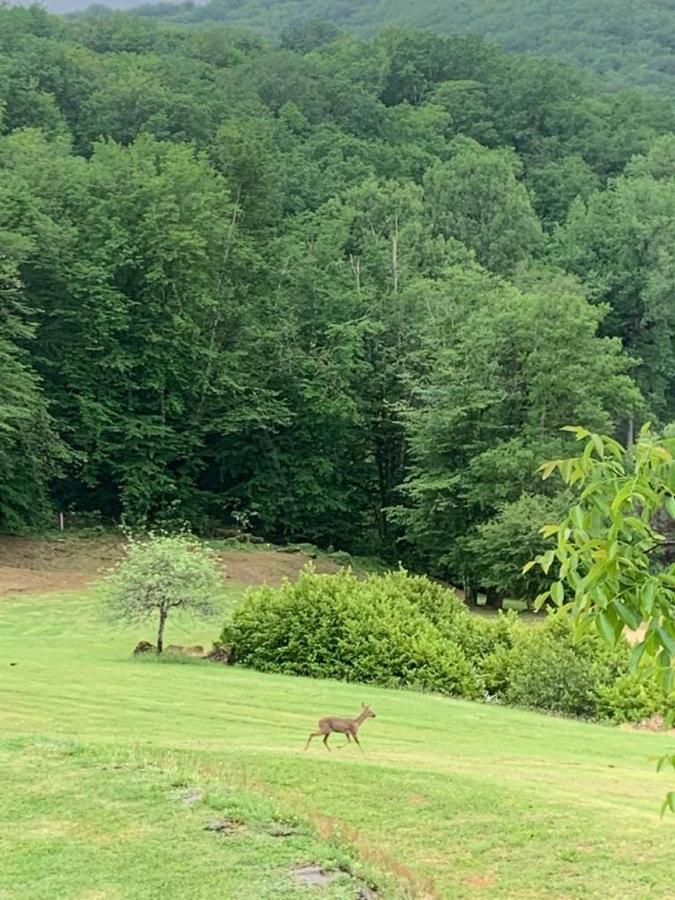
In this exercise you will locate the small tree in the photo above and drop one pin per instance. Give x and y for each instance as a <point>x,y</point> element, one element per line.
<point>163,573</point>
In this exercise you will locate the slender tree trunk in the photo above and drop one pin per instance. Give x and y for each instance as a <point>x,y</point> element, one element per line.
<point>630,436</point>
<point>394,256</point>
<point>163,613</point>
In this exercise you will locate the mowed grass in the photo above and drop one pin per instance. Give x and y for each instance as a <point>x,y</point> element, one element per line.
<point>111,767</point>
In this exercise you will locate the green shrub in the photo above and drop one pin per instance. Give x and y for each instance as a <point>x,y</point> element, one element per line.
<point>547,668</point>
<point>373,630</point>
<point>546,674</point>
<point>400,630</point>
<point>631,698</point>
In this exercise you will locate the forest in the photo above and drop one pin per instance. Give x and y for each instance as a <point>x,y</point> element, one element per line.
<point>627,44</point>
<point>342,290</point>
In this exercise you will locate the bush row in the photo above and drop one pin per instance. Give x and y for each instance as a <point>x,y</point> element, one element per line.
<point>401,630</point>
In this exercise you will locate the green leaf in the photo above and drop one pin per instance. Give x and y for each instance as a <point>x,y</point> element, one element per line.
<point>628,615</point>
<point>667,760</point>
<point>547,561</point>
<point>528,565</point>
<point>666,640</point>
<point>580,433</point>
<point>624,494</point>
<point>558,593</point>
<point>648,595</point>
<point>606,627</point>
<point>668,803</point>
<point>540,600</point>
<point>577,517</point>
<point>636,656</point>
<point>548,468</point>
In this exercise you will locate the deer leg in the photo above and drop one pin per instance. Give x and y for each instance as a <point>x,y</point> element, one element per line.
<point>325,740</point>
<point>313,735</point>
<point>359,743</point>
<point>349,740</point>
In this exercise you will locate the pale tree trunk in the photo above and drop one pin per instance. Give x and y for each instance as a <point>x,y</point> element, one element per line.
<point>394,255</point>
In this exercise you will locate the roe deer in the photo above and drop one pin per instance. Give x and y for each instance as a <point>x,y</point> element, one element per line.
<point>348,727</point>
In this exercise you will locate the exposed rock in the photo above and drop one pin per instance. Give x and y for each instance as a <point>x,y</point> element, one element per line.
<point>221,826</point>
<point>366,893</point>
<point>313,876</point>
<point>221,653</point>
<point>250,538</point>
<point>144,647</point>
<point>192,797</point>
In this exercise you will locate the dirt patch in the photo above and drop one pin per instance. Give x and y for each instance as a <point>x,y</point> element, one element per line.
<point>189,797</point>
<point>480,881</point>
<point>313,876</point>
<point>330,828</point>
<point>269,566</point>
<point>40,566</point>
<point>26,581</point>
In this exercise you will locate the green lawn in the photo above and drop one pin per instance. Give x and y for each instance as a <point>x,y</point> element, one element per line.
<point>111,767</point>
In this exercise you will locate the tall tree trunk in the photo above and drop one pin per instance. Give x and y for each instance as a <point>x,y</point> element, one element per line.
<point>163,613</point>
<point>394,255</point>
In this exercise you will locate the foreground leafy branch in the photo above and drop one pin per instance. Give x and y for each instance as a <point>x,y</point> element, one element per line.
<point>611,554</point>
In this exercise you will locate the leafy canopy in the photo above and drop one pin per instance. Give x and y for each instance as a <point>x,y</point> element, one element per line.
<point>163,573</point>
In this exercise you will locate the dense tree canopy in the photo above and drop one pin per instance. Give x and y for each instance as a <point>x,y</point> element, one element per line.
<point>626,43</point>
<point>344,291</point>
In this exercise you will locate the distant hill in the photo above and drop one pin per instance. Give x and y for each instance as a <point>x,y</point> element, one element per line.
<point>627,43</point>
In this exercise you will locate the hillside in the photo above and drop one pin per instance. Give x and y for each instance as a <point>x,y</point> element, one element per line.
<point>321,296</point>
<point>113,769</point>
<point>627,44</point>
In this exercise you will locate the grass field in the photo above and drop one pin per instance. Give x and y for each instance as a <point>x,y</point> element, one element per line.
<point>110,769</point>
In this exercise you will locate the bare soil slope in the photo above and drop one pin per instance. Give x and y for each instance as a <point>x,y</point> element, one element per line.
<point>37,565</point>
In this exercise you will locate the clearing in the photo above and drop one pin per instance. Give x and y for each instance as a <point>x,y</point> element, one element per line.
<point>126,778</point>
<point>29,565</point>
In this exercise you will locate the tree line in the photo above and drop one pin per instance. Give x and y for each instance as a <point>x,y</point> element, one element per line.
<point>343,291</point>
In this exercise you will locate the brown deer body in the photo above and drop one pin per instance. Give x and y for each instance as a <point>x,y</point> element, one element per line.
<point>348,727</point>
